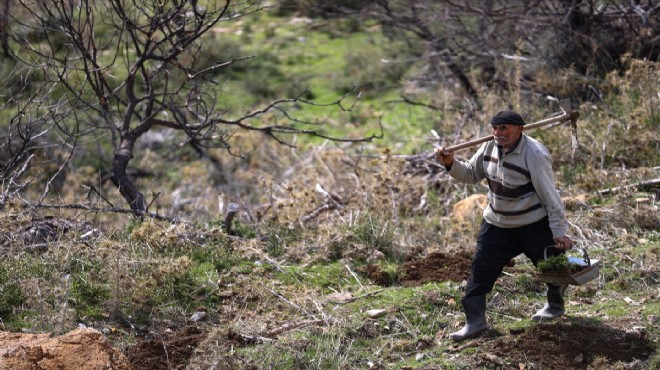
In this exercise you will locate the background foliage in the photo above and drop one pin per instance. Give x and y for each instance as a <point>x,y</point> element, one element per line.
<point>316,215</point>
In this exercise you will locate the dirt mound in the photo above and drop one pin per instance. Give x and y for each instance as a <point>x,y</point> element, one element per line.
<point>171,350</point>
<point>435,267</point>
<point>79,349</point>
<point>572,343</point>
<point>378,276</point>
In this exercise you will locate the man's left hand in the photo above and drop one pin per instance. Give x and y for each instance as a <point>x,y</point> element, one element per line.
<point>563,242</point>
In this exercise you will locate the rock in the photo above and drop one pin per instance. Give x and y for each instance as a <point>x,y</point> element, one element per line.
<point>376,313</point>
<point>339,297</point>
<point>81,349</point>
<point>197,315</point>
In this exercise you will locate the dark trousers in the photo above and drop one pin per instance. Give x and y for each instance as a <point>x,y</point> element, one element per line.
<point>496,246</point>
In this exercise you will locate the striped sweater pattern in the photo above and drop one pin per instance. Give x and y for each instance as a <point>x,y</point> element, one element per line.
<point>521,184</point>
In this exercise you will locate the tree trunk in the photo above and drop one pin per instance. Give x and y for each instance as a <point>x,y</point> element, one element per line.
<point>4,16</point>
<point>462,78</point>
<point>121,180</point>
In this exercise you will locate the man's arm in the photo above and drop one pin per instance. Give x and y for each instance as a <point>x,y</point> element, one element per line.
<point>544,184</point>
<point>470,172</point>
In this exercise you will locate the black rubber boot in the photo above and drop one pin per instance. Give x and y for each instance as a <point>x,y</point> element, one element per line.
<point>555,306</point>
<point>475,315</point>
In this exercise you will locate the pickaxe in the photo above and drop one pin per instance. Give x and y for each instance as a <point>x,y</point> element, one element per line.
<point>565,115</point>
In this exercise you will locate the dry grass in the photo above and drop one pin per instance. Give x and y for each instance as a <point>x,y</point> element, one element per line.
<point>309,217</point>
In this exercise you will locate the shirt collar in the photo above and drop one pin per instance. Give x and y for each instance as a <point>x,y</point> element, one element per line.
<point>516,148</point>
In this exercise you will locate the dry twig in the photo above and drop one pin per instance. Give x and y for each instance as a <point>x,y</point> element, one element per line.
<point>291,326</point>
<point>360,296</point>
<point>641,184</point>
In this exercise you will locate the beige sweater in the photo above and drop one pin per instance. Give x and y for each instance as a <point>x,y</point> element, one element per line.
<point>521,185</point>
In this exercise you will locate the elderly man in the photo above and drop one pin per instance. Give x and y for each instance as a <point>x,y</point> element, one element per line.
<point>525,214</point>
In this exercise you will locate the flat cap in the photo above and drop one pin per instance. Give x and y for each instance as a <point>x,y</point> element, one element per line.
<point>507,117</point>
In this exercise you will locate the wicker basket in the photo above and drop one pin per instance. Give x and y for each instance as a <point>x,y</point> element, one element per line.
<point>590,272</point>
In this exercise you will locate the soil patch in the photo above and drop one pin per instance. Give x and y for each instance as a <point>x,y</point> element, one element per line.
<point>81,348</point>
<point>436,267</point>
<point>170,350</point>
<point>378,276</point>
<point>572,343</point>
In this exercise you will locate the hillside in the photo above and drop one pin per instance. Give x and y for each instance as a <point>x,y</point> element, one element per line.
<point>342,254</point>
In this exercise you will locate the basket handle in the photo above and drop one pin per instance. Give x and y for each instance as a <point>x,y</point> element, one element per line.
<point>585,256</point>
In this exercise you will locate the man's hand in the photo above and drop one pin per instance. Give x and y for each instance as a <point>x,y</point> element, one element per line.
<point>563,242</point>
<point>444,157</point>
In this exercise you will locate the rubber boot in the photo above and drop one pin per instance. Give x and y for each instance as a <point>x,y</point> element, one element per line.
<point>475,315</point>
<point>555,306</point>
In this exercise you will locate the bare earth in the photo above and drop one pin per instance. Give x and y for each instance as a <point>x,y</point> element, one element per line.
<point>567,343</point>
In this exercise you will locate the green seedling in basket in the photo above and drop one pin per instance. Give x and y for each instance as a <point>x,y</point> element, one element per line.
<point>554,264</point>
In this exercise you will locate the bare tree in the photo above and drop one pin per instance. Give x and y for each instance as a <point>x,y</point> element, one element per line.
<point>461,37</point>
<point>23,137</point>
<point>4,12</point>
<point>129,66</point>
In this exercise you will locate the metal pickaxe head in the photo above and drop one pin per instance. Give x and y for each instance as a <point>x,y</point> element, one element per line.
<point>565,105</point>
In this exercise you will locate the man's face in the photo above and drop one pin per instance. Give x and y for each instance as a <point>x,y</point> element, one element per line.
<point>506,135</point>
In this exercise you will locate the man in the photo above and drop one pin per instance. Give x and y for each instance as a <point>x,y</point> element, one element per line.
<point>525,214</point>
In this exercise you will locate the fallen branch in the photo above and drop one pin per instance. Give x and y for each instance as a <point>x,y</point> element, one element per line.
<point>278,295</point>
<point>464,346</point>
<point>641,184</point>
<point>354,276</point>
<point>507,316</point>
<point>358,297</point>
<point>97,209</point>
<point>317,211</point>
<point>271,261</point>
<point>331,202</point>
<point>291,326</point>
<point>246,338</point>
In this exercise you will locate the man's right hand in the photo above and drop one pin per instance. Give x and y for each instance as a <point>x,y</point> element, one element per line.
<point>445,157</point>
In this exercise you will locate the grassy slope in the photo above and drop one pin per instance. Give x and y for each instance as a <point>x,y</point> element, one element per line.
<point>323,61</point>
<point>277,272</point>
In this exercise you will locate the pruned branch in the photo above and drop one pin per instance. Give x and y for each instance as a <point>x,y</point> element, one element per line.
<point>642,184</point>
<point>101,210</point>
<point>290,326</point>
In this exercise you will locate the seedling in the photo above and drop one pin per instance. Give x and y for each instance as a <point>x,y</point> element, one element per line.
<point>554,264</point>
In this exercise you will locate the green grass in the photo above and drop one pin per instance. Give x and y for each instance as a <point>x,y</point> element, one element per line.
<point>328,67</point>
<point>11,296</point>
<point>89,297</point>
<point>352,340</point>
<point>328,278</point>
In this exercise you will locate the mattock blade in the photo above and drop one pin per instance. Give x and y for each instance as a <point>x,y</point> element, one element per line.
<point>565,105</point>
